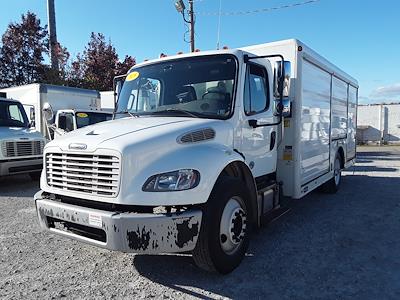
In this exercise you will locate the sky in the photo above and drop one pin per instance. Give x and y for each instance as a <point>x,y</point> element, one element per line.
<point>361,37</point>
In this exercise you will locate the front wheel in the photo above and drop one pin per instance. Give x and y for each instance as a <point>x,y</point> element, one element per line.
<point>224,234</point>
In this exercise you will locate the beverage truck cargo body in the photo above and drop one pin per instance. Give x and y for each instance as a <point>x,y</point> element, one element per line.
<point>205,147</point>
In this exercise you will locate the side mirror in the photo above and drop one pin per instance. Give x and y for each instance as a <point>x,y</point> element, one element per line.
<point>282,81</point>
<point>48,112</point>
<point>118,82</point>
<point>32,113</point>
<point>282,76</point>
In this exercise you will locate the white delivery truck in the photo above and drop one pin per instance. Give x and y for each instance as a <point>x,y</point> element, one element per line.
<point>21,147</point>
<point>230,134</point>
<point>55,110</point>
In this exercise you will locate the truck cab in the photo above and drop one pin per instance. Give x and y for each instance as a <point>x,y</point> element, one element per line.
<point>67,120</point>
<point>21,148</point>
<point>202,149</point>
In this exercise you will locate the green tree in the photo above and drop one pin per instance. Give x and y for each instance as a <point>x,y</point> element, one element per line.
<point>22,53</point>
<point>97,66</point>
<point>124,66</point>
<point>59,77</point>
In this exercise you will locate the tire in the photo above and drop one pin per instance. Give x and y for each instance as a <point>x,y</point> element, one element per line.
<point>35,176</point>
<point>333,185</point>
<point>226,225</point>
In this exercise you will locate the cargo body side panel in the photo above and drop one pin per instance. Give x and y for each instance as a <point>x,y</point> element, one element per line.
<point>315,122</point>
<point>339,109</point>
<point>351,123</point>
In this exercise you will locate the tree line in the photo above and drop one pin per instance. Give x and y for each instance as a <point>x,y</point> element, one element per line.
<point>24,48</point>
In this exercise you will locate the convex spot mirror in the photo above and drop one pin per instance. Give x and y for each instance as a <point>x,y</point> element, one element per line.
<point>284,108</point>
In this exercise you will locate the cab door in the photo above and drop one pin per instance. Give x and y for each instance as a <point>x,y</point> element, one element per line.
<point>258,144</point>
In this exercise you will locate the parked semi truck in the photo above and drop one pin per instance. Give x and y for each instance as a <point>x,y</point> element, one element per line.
<point>21,147</point>
<point>54,110</point>
<point>230,134</point>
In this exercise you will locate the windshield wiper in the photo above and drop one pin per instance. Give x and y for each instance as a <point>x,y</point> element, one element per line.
<point>133,115</point>
<point>175,110</point>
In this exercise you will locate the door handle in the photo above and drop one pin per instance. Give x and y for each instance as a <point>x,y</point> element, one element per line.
<point>272,141</point>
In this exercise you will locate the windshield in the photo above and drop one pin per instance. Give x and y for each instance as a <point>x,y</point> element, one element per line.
<point>195,87</point>
<point>89,118</point>
<point>12,114</point>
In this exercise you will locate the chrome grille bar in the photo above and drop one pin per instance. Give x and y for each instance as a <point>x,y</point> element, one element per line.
<point>22,148</point>
<point>83,173</point>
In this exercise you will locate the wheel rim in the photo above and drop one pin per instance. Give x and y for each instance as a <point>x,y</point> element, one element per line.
<point>233,225</point>
<point>337,171</point>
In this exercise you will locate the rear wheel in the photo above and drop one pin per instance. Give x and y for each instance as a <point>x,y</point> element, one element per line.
<point>35,176</point>
<point>224,234</point>
<point>332,186</point>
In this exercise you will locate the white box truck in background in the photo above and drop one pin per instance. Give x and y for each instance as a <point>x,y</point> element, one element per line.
<point>21,147</point>
<point>68,108</point>
<point>225,135</point>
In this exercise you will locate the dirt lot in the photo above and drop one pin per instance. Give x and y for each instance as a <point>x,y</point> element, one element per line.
<point>343,246</point>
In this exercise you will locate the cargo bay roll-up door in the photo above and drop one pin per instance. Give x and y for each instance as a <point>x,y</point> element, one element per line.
<point>315,122</point>
<point>339,109</point>
<point>351,123</point>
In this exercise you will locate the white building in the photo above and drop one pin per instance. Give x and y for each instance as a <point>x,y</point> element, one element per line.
<point>378,123</point>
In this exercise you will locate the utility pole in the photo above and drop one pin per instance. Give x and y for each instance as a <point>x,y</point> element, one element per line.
<point>180,7</point>
<point>53,45</point>
<point>191,14</point>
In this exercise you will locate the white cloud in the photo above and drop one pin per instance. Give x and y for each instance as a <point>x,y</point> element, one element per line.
<point>389,91</point>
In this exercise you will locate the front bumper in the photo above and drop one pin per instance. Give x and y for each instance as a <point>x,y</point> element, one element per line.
<point>127,232</point>
<point>19,166</point>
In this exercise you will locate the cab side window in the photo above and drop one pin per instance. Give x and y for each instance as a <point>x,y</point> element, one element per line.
<point>15,113</point>
<point>256,92</point>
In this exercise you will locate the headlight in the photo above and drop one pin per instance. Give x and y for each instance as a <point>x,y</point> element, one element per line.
<point>179,180</point>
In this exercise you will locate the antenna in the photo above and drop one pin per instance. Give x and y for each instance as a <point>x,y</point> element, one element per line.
<point>219,23</point>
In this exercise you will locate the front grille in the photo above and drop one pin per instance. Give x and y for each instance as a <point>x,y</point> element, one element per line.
<point>83,173</point>
<point>22,148</point>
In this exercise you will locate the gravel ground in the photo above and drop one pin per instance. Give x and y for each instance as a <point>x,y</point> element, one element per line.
<point>343,246</point>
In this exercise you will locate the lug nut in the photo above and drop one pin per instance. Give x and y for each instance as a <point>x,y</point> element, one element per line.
<point>224,238</point>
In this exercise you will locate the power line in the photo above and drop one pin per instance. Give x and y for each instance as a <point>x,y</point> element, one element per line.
<point>261,10</point>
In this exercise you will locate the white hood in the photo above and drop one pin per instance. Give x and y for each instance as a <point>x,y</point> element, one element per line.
<point>16,133</point>
<point>122,133</point>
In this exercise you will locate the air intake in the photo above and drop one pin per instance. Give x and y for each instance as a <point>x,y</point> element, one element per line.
<point>197,136</point>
